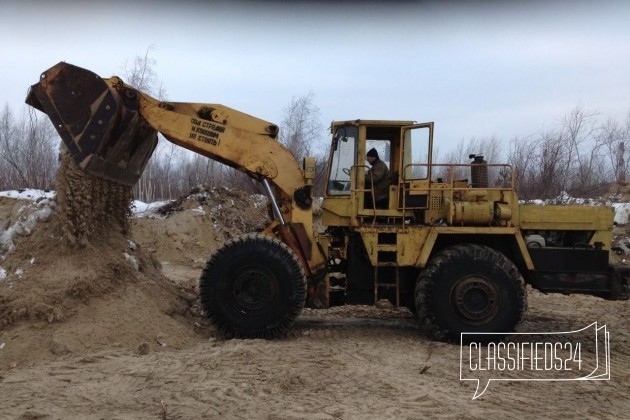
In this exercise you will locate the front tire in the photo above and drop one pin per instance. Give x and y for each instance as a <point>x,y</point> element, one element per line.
<point>253,287</point>
<point>469,288</point>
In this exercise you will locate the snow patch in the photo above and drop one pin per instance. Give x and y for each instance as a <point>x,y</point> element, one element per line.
<point>142,209</point>
<point>133,262</point>
<point>622,213</point>
<point>39,211</point>
<point>199,210</point>
<point>28,194</point>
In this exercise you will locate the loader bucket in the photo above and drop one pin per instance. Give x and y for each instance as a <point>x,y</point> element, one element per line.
<point>99,124</point>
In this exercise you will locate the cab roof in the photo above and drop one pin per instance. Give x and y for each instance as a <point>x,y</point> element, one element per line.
<point>388,123</point>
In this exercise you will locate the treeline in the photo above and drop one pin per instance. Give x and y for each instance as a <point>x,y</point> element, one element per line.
<point>580,154</point>
<point>28,151</point>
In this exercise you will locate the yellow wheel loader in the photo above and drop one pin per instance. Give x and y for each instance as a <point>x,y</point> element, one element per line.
<point>450,242</point>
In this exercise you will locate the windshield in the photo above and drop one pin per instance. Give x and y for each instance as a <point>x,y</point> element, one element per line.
<point>344,146</point>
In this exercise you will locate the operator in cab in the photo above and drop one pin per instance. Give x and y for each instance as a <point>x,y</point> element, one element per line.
<point>378,178</point>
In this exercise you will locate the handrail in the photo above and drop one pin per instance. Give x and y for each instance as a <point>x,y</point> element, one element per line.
<point>451,173</point>
<point>354,171</point>
<point>447,186</point>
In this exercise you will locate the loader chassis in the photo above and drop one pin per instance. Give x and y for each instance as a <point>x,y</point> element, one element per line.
<point>452,243</point>
<point>452,215</point>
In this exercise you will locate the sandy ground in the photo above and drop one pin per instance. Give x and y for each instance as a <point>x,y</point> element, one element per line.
<point>82,340</point>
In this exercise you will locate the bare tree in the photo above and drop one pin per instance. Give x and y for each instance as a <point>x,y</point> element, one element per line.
<point>156,181</point>
<point>577,130</point>
<point>521,156</point>
<point>12,170</point>
<point>301,132</point>
<point>301,128</point>
<point>615,142</point>
<point>141,74</point>
<point>28,157</point>
<point>199,170</point>
<point>552,162</point>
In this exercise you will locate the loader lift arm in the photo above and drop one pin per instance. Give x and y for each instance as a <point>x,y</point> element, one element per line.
<point>95,116</point>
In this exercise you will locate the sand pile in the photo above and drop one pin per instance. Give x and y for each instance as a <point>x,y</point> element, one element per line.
<point>232,212</point>
<point>77,281</point>
<point>188,230</point>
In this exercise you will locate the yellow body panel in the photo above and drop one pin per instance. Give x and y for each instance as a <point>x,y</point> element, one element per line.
<point>408,243</point>
<point>566,217</point>
<point>573,217</point>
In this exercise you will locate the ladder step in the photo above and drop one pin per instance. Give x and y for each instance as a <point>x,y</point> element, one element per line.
<point>390,283</point>
<point>387,247</point>
<point>387,264</point>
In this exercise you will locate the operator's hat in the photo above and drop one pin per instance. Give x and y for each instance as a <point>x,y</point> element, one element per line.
<point>372,153</point>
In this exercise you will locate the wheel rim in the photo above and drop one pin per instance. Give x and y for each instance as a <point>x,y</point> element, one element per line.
<point>254,288</point>
<point>475,300</point>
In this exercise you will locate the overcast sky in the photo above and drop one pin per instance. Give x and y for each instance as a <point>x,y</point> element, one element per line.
<point>475,68</point>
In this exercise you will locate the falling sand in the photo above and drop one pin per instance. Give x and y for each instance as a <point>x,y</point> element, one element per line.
<point>88,207</point>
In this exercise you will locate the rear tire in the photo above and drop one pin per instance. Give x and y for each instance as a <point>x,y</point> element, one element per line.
<point>470,288</point>
<point>253,287</point>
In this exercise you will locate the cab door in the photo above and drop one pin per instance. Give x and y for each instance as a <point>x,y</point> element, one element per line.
<point>415,166</point>
<point>337,208</point>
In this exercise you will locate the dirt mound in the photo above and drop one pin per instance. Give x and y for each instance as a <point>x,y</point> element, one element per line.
<point>58,298</point>
<point>188,230</point>
<point>233,212</point>
<point>73,279</point>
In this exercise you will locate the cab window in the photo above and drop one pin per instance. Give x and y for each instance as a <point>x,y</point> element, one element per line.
<point>343,154</point>
<point>416,153</point>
